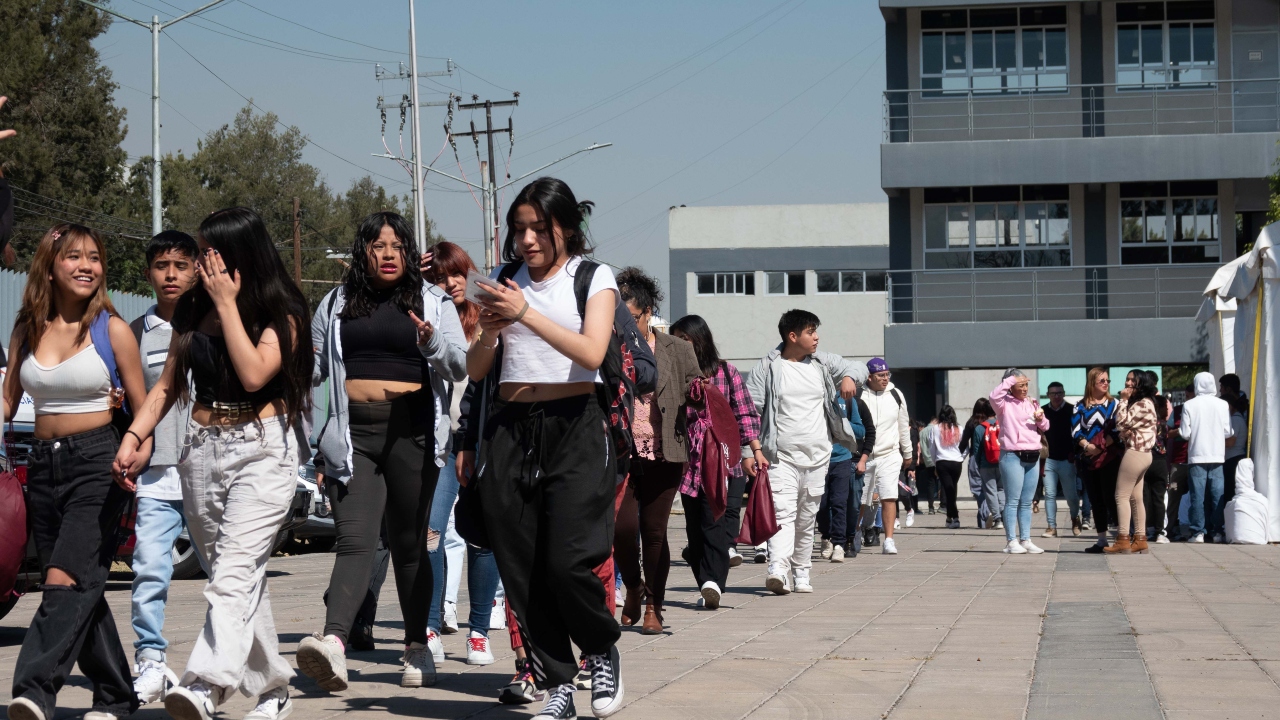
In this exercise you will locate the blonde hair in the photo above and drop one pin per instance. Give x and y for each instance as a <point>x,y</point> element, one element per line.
<point>1091,382</point>
<point>37,298</point>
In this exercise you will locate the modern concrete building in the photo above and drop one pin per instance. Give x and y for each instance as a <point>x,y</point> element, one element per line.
<point>740,268</point>
<point>1064,177</point>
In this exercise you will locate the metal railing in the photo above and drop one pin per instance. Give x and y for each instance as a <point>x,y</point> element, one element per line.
<point>1094,292</point>
<point>1074,111</point>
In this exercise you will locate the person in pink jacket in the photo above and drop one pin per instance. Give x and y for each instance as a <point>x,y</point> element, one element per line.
<point>1021,422</point>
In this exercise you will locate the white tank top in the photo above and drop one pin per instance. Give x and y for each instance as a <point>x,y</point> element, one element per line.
<point>79,384</point>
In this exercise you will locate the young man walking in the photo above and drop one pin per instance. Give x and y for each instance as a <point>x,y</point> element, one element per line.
<point>1206,425</point>
<point>892,451</point>
<point>795,388</point>
<point>171,268</point>
<point>1060,467</point>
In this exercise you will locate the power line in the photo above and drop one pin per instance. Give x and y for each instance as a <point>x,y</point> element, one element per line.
<point>335,37</point>
<point>167,104</point>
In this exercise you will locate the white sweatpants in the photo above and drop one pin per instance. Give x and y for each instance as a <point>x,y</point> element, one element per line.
<point>797,493</point>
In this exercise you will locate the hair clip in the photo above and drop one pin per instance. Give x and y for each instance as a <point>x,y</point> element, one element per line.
<point>57,234</point>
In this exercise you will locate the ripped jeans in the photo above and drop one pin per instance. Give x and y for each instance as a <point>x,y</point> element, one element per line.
<point>74,508</point>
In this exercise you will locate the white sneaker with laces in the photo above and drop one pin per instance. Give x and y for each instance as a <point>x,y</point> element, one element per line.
<point>911,518</point>
<point>607,690</point>
<point>710,595</point>
<point>1197,538</point>
<point>498,618</point>
<point>776,582</point>
<point>837,554</point>
<point>889,547</point>
<point>1162,539</point>
<point>321,658</point>
<point>802,581</point>
<point>153,681</point>
<point>272,705</point>
<point>478,652</point>
<point>1031,547</point>
<point>436,645</point>
<point>21,708</point>
<point>827,549</point>
<point>419,667</point>
<point>559,703</point>
<point>190,702</point>
<point>1015,548</point>
<point>735,558</point>
<point>897,524</point>
<point>450,624</point>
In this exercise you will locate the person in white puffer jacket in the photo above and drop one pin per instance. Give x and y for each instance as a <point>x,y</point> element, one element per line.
<point>1247,516</point>
<point>893,447</point>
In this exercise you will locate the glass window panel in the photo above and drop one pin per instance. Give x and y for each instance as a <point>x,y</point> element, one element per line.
<point>1156,230</point>
<point>1184,220</point>
<point>851,281</point>
<point>955,51</point>
<point>740,283</point>
<point>722,284</point>
<point>984,225</point>
<point>1204,44</point>
<point>935,227</point>
<point>1179,44</point>
<point>958,226</point>
<point>1035,213</point>
<point>1055,48</point>
<point>1047,258</point>
<point>1131,221</point>
<point>1032,49</point>
<point>1155,255</point>
<point>955,83</point>
<point>1207,219</point>
<point>1058,226</point>
<point>877,282</point>
<point>1007,50</point>
<point>775,283</point>
<point>706,284</point>
<point>795,283</point>
<point>931,51</point>
<point>1127,52</point>
<point>1196,253</point>
<point>1123,77</point>
<point>989,83</point>
<point>1152,45</point>
<point>997,259</point>
<point>1007,225</point>
<point>828,281</point>
<point>982,51</point>
<point>750,285</point>
<point>947,260</point>
<point>931,83</point>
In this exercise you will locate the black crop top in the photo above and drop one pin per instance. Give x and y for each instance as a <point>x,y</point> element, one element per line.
<point>215,379</point>
<point>383,345</point>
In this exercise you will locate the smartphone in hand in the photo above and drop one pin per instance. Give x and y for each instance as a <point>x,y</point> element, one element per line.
<point>478,285</point>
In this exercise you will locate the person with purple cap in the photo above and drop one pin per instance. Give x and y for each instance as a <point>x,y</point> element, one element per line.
<point>892,451</point>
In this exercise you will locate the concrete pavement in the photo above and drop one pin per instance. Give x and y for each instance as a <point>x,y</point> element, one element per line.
<point>950,627</point>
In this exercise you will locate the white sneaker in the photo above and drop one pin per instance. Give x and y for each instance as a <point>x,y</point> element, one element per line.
<point>153,681</point>
<point>711,595</point>
<point>1031,547</point>
<point>1197,538</point>
<point>889,548</point>
<point>478,652</point>
<point>21,708</point>
<point>272,705</point>
<point>450,624</point>
<point>1162,539</point>
<point>192,702</point>
<point>735,559</point>
<point>911,518</point>
<point>436,645</point>
<point>827,549</point>
<point>619,594</point>
<point>837,554</point>
<point>498,618</point>
<point>1015,548</point>
<point>762,554</point>
<point>419,667</point>
<point>897,524</point>
<point>100,715</point>
<point>999,524</point>
<point>802,581</point>
<point>322,659</point>
<point>776,584</point>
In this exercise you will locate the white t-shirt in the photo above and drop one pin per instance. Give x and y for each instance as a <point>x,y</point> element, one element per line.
<point>527,358</point>
<point>802,420</point>
<point>160,482</point>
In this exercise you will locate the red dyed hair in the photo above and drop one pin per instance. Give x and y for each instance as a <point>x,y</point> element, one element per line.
<point>451,259</point>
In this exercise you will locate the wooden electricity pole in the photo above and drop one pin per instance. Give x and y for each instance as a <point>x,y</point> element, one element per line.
<point>297,241</point>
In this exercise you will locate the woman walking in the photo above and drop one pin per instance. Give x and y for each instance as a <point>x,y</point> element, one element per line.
<point>241,354</point>
<point>710,539</point>
<point>1156,483</point>
<point>1021,422</point>
<point>546,468</point>
<point>1093,429</point>
<point>984,476</point>
<point>1136,422</point>
<point>658,462</point>
<point>66,342</point>
<point>945,441</point>
<point>389,344</point>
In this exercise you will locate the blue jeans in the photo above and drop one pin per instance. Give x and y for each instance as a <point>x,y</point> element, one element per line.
<point>158,525</point>
<point>833,513</point>
<point>1019,487</point>
<point>855,509</point>
<point>1060,474</point>
<point>482,569</point>
<point>1206,476</point>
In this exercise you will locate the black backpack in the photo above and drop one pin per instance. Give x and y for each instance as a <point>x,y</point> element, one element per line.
<point>617,393</point>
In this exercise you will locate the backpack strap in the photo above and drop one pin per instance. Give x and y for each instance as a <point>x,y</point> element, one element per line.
<point>101,337</point>
<point>897,396</point>
<point>582,284</point>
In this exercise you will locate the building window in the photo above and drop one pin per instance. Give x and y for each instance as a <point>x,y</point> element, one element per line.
<point>784,283</point>
<point>1163,223</point>
<point>734,283</point>
<point>997,50</point>
<point>836,282</point>
<point>1165,44</point>
<point>997,227</point>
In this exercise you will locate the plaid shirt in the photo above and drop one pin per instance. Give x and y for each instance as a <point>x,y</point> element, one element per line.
<point>730,384</point>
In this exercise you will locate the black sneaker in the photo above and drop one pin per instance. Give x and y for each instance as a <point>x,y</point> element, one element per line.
<point>606,682</point>
<point>522,690</point>
<point>361,638</point>
<point>559,703</point>
<point>850,550</point>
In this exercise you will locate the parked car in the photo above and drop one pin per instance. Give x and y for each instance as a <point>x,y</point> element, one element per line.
<point>318,531</point>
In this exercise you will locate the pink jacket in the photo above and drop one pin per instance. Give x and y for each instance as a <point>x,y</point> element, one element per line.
<point>1018,429</point>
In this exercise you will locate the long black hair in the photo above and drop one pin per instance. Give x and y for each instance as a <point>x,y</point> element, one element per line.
<point>551,199</point>
<point>704,345</point>
<point>1162,405</point>
<point>268,296</point>
<point>1144,388</point>
<point>355,281</point>
<point>640,289</point>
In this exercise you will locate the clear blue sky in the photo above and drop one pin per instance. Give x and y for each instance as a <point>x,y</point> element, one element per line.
<point>666,82</point>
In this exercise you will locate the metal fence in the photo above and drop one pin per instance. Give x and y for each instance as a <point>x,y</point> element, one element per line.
<point>12,284</point>
<point>1074,111</point>
<point>1095,292</point>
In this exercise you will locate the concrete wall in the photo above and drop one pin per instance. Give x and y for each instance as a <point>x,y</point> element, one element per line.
<point>964,387</point>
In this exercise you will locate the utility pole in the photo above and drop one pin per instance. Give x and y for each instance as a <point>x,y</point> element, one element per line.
<point>490,180</point>
<point>297,241</point>
<point>486,192</point>
<point>155,26</point>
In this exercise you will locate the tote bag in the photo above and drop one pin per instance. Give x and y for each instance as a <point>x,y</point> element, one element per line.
<point>759,518</point>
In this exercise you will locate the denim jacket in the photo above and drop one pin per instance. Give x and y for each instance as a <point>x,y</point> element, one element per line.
<point>761,383</point>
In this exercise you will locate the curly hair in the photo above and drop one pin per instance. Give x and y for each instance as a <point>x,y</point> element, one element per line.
<point>356,288</point>
<point>639,289</point>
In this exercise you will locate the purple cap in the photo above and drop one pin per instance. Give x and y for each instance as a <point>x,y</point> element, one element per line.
<point>877,365</point>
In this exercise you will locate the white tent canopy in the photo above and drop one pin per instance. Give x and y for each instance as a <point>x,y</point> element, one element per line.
<point>1242,305</point>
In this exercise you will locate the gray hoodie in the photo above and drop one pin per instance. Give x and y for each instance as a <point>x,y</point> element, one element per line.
<point>761,383</point>
<point>445,351</point>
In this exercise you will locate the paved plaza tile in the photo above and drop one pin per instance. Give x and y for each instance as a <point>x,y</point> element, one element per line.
<point>951,627</point>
